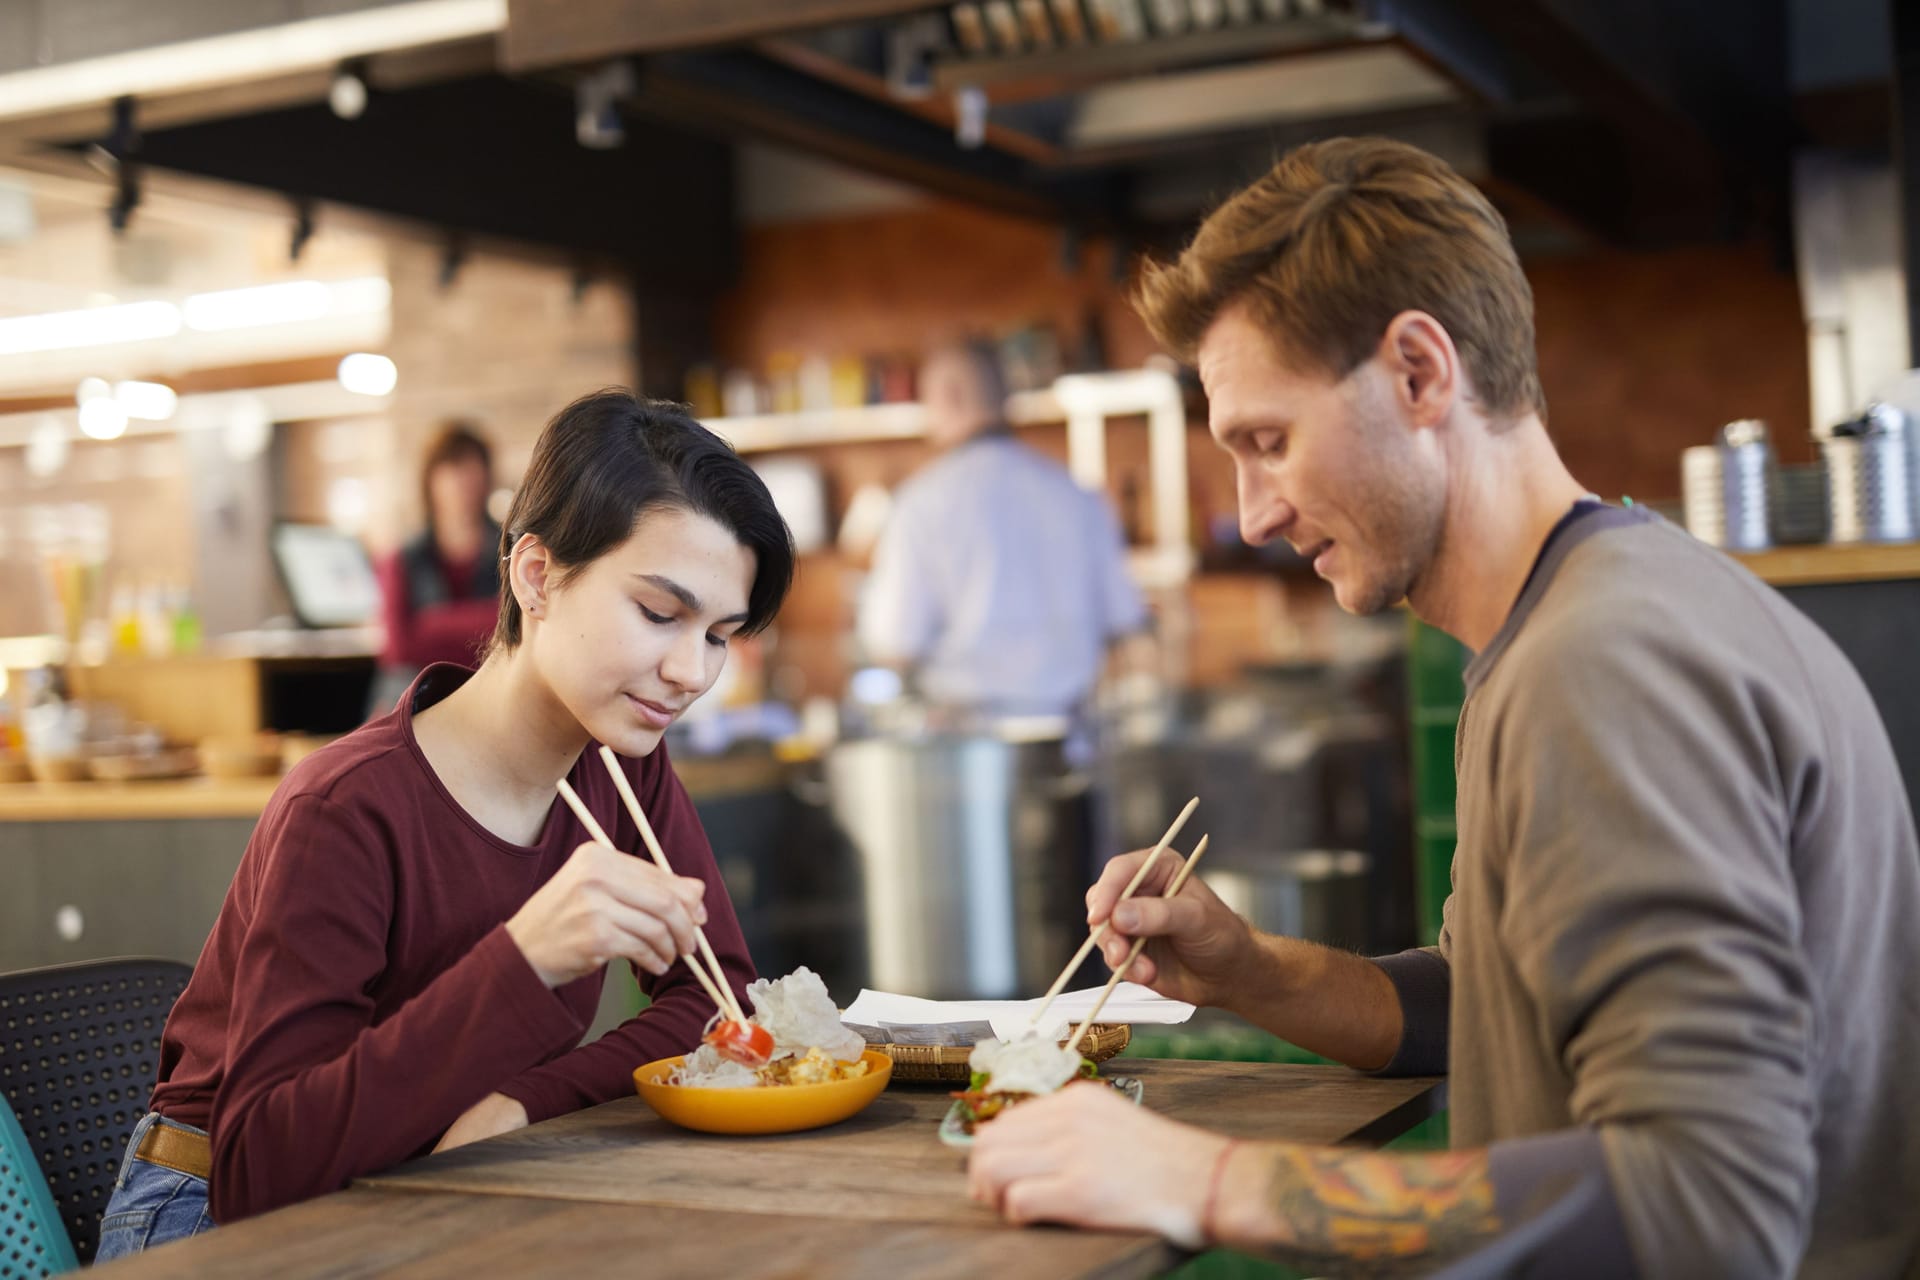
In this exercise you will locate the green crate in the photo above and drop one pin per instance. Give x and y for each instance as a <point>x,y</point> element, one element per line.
<point>1431,1134</point>
<point>1221,1043</point>
<point>1434,789</point>
<point>1436,663</point>
<point>1225,1264</point>
<point>1433,844</point>
<point>1436,666</point>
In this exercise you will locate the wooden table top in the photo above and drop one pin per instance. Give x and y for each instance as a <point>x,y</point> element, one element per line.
<point>885,1164</point>
<point>877,1195</point>
<point>430,1235</point>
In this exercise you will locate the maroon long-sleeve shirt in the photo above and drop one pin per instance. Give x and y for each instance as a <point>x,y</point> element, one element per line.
<point>420,633</point>
<point>359,990</point>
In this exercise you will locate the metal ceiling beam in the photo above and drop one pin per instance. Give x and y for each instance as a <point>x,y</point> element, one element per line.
<point>1350,81</point>
<point>542,34</point>
<point>1072,66</point>
<point>936,109</point>
<point>494,158</point>
<point>742,96</point>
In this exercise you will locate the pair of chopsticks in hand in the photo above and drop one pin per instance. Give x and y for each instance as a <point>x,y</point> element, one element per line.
<point>717,989</point>
<point>716,985</point>
<point>1098,935</point>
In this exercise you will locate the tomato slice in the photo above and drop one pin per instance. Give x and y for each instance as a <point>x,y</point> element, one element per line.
<point>746,1043</point>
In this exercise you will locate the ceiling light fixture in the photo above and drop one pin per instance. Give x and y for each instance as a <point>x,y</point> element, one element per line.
<point>147,401</point>
<point>970,117</point>
<point>596,106</point>
<point>285,303</point>
<point>260,305</point>
<point>276,51</point>
<point>365,373</point>
<point>347,95</point>
<point>88,327</point>
<point>111,324</point>
<point>121,145</point>
<point>452,258</point>
<point>102,418</point>
<point>302,230</point>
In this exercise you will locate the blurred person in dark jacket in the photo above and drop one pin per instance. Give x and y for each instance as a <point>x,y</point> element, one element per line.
<point>440,592</point>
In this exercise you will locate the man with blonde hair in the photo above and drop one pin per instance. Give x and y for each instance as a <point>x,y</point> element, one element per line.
<point>1678,987</point>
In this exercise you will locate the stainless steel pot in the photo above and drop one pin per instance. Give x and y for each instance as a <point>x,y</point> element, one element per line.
<point>974,857</point>
<point>1317,894</point>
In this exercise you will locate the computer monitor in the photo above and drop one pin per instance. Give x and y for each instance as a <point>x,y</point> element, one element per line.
<point>328,576</point>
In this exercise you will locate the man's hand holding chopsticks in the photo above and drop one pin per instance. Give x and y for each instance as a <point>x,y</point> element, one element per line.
<point>1197,948</point>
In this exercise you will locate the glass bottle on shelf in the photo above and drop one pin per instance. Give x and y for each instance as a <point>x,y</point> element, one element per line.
<point>125,620</point>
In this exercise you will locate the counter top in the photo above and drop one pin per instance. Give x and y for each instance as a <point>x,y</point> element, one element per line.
<point>705,779</point>
<point>1826,563</point>
<point>120,801</point>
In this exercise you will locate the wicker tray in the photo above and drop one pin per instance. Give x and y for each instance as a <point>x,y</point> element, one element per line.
<point>943,1064</point>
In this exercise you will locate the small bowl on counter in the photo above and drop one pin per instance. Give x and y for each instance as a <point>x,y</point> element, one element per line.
<point>58,768</point>
<point>246,756</point>
<point>143,766</point>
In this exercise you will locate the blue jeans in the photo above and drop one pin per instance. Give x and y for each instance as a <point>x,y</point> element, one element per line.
<point>151,1204</point>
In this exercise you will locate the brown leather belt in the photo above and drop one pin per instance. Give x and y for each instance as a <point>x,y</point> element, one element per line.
<point>177,1149</point>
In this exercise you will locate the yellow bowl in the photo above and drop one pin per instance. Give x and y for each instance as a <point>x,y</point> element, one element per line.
<point>784,1108</point>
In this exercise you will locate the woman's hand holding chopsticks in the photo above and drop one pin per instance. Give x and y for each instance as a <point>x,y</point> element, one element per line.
<point>601,904</point>
<point>714,985</point>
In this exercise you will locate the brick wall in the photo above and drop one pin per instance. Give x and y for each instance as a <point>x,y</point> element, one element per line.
<point>1641,356</point>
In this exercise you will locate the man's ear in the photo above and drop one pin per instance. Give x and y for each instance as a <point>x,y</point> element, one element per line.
<point>1424,366</point>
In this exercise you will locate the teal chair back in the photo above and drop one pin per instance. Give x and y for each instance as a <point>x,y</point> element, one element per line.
<point>79,1052</point>
<point>33,1240</point>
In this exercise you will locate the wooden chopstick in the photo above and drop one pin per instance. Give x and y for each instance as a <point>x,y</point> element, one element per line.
<point>660,859</point>
<point>599,835</point>
<point>1139,945</point>
<point>1094,938</point>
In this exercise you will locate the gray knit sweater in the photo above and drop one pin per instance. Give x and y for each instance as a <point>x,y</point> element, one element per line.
<point>1683,944</point>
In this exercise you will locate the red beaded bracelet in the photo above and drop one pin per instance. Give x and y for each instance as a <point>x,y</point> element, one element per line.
<point>1213,1190</point>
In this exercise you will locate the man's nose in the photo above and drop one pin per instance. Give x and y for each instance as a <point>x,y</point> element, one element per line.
<point>1264,514</point>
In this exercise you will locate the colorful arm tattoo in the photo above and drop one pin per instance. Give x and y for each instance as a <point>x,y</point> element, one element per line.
<point>1360,1213</point>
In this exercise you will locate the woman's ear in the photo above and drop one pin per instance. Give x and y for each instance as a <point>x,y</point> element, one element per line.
<point>530,570</point>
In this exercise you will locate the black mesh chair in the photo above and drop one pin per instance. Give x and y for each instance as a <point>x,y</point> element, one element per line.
<point>79,1050</point>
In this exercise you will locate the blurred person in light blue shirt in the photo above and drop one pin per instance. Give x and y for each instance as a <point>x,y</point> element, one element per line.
<point>998,584</point>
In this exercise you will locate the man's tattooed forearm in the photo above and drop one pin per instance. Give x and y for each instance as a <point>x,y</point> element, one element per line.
<point>1359,1213</point>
